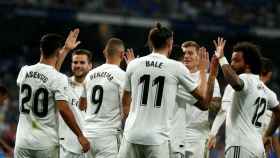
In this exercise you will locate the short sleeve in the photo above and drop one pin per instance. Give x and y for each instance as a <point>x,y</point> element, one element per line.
<point>272,99</point>
<point>127,78</point>
<point>21,75</point>
<point>60,88</point>
<point>216,92</point>
<point>186,96</point>
<point>227,98</point>
<point>184,78</point>
<point>120,78</point>
<point>245,79</point>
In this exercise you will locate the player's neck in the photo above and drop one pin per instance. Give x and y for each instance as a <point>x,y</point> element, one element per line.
<point>161,51</point>
<point>193,70</point>
<point>248,71</point>
<point>79,79</point>
<point>47,61</point>
<point>264,79</point>
<point>113,62</point>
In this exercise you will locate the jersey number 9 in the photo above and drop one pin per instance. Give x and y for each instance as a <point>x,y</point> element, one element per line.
<point>97,97</point>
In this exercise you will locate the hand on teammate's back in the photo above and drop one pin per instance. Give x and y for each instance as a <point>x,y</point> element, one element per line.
<point>219,45</point>
<point>84,143</point>
<point>203,59</point>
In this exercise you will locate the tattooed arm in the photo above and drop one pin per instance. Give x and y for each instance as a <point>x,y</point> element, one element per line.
<point>229,74</point>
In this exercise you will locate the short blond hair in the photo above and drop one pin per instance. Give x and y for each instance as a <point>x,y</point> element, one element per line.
<point>191,44</point>
<point>112,46</point>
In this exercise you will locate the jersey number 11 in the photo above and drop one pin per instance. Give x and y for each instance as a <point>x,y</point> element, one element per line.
<point>158,82</point>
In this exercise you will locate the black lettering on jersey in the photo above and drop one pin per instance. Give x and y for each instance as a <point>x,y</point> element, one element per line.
<point>102,75</point>
<point>36,75</point>
<point>155,64</point>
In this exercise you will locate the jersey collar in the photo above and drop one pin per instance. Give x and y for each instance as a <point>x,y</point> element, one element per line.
<point>158,55</point>
<point>46,65</point>
<point>72,79</point>
<point>114,65</point>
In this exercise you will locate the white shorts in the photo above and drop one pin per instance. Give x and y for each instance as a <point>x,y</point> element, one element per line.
<point>177,155</point>
<point>177,150</point>
<point>129,150</point>
<point>241,152</point>
<point>52,152</point>
<point>64,153</point>
<point>104,147</point>
<point>197,149</point>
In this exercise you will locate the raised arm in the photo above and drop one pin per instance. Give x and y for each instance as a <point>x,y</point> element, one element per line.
<point>215,102</point>
<point>229,74</point>
<point>204,92</point>
<point>129,55</point>
<point>70,43</point>
<point>200,92</point>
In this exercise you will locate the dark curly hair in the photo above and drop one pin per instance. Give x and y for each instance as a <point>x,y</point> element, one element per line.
<point>251,55</point>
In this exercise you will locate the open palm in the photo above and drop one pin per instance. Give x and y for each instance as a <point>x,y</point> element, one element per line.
<point>219,44</point>
<point>71,41</point>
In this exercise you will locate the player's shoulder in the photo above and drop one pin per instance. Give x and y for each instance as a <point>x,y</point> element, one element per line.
<point>136,61</point>
<point>250,80</point>
<point>249,76</point>
<point>244,76</point>
<point>269,92</point>
<point>228,89</point>
<point>107,67</point>
<point>23,69</point>
<point>57,76</point>
<point>177,67</point>
<point>176,63</point>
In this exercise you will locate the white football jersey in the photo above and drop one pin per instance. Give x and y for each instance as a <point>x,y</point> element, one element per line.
<point>153,81</point>
<point>197,126</point>
<point>104,86</point>
<point>177,133</point>
<point>268,113</point>
<point>225,105</point>
<point>40,86</point>
<point>246,112</point>
<point>68,139</point>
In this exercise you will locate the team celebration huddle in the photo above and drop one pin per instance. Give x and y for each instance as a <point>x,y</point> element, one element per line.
<point>166,104</point>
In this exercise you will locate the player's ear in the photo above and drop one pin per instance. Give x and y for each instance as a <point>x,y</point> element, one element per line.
<point>122,54</point>
<point>90,66</point>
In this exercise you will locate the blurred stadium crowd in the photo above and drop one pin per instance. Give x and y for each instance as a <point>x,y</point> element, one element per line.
<point>255,12</point>
<point>20,34</point>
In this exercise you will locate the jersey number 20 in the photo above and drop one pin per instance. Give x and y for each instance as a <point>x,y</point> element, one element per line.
<point>35,108</point>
